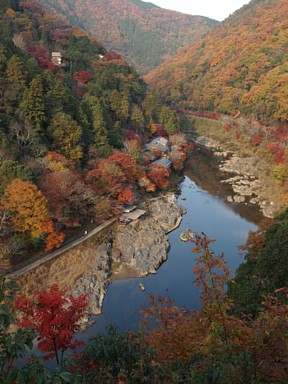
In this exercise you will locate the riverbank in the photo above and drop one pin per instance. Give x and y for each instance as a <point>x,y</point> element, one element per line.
<point>137,249</point>
<point>249,172</point>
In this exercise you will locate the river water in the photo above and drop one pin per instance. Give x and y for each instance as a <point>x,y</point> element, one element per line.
<point>205,198</point>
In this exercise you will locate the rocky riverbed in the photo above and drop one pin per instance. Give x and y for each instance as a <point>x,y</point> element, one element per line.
<point>138,248</point>
<point>246,180</point>
<point>135,249</point>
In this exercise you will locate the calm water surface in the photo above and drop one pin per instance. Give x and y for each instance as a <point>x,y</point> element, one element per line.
<point>207,211</point>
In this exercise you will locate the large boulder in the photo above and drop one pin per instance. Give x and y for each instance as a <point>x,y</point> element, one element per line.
<point>166,212</point>
<point>142,246</point>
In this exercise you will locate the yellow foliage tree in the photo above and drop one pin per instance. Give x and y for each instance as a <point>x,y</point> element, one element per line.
<point>29,211</point>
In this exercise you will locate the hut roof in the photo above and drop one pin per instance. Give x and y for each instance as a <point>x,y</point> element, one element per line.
<point>166,163</point>
<point>134,215</point>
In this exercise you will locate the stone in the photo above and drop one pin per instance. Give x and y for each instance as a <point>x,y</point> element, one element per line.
<point>95,283</point>
<point>239,199</point>
<point>143,245</point>
<point>187,235</point>
<point>167,214</point>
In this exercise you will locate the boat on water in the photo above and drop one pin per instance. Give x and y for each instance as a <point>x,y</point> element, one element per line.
<point>141,286</point>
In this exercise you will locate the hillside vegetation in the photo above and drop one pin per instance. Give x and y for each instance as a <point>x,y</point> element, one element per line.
<point>242,65</point>
<point>71,131</point>
<point>219,343</point>
<point>71,150</point>
<point>239,73</point>
<point>141,32</point>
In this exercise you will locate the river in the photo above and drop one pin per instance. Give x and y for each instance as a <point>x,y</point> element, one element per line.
<point>208,211</point>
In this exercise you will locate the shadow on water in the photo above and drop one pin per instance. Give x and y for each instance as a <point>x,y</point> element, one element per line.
<point>203,169</point>
<point>205,198</point>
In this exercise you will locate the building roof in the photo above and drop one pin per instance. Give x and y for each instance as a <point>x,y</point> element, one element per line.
<point>166,163</point>
<point>134,215</point>
<point>129,208</point>
<point>159,143</point>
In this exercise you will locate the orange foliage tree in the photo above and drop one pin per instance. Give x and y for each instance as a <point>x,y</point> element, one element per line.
<point>158,175</point>
<point>238,349</point>
<point>30,213</point>
<point>126,195</point>
<point>113,173</point>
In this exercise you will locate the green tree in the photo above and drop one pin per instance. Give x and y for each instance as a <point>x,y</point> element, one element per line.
<point>265,269</point>
<point>115,136</point>
<point>137,118</point>
<point>169,119</point>
<point>67,136</point>
<point>119,103</point>
<point>15,70</point>
<point>3,60</point>
<point>32,104</point>
<point>100,133</point>
<point>13,344</point>
<point>151,106</point>
<point>10,170</point>
<point>56,98</point>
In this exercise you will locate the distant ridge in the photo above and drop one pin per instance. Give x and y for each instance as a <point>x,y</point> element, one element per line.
<point>241,66</point>
<point>143,33</point>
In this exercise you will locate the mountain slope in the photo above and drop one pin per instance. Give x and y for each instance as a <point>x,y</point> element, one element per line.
<point>242,65</point>
<point>141,32</point>
<point>73,118</point>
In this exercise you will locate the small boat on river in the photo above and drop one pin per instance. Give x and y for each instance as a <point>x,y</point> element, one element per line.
<point>141,286</point>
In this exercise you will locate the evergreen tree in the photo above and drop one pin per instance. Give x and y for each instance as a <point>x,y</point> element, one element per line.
<point>119,104</point>
<point>32,105</point>
<point>114,134</point>
<point>125,107</point>
<point>56,98</point>
<point>15,70</point>
<point>169,119</point>
<point>99,129</point>
<point>10,170</point>
<point>137,118</point>
<point>3,60</point>
<point>151,106</point>
<point>67,136</point>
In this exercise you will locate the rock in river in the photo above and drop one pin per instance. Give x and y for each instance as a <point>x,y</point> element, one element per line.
<point>143,245</point>
<point>187,235</point>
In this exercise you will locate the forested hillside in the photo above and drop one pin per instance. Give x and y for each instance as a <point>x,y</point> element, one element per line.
<point>141,32</point>
<point>238,75</point>
<point>73,118</point>
<point>241,66</point>
<point>76,125</point>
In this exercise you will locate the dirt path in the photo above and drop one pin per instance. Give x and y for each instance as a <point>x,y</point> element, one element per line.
<point>61,250</point>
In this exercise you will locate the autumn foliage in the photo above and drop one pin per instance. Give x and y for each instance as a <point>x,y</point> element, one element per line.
<point>233,68</point>
<point>82,77</point>
<point>148,28</point>
<point>55,316</point>
<point>158,175</point>
<point>30,212</point>
<point>112,175</point>
<point>233,348</point>
<point>126,195</point>
<point>209,344</point>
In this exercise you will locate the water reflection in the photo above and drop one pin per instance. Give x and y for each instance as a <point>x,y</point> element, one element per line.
<point>206,212</point>
<point>204,170</point>
<point>205,199</point>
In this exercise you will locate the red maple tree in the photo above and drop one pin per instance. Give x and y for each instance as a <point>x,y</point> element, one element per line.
<point>55,317</point>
